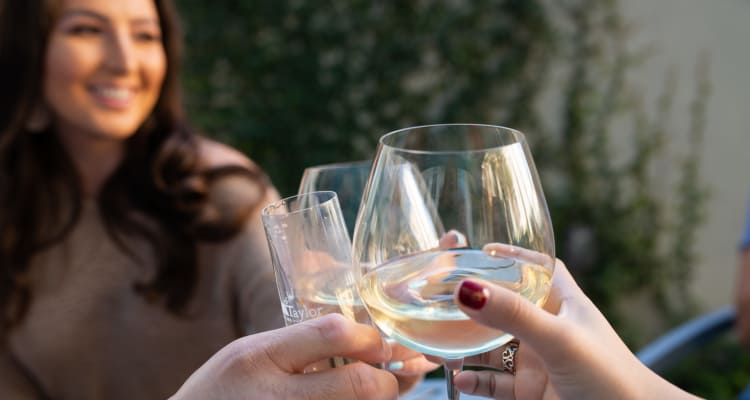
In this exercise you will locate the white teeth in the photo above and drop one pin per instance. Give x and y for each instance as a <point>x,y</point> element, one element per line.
<point>114,93</point>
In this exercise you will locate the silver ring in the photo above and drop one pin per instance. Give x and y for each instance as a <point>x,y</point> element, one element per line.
<point>509,358</point>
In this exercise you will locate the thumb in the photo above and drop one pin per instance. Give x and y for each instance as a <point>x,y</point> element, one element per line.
<point>357,381</point>
<point>297,346</point>
<point>500,308</point>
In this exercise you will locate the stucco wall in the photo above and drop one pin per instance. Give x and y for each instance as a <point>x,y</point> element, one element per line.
<point>680,30</point>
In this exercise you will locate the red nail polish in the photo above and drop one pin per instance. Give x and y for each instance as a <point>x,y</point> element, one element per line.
<point>472,295</point>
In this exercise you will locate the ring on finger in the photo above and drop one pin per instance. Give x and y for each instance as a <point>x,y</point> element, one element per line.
<point>509,358</point>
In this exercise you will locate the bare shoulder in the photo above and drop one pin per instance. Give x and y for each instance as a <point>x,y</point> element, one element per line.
<point>214,154</point>
<point>233,194</point>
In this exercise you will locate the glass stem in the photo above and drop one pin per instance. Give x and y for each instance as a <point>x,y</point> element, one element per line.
<point>452,368</point>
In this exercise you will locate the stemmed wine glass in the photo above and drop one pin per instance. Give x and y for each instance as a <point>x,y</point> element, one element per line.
<point>444,203</point>
<point>347,179</point>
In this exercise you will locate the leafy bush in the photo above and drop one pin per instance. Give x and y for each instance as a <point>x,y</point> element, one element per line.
<point>298,83</point>
<point>719,371</point>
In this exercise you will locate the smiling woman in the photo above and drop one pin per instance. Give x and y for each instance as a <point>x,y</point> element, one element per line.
<point>125,238</point>
<point>104,69</point>
<point>131,249</point>
<point>105,65</point>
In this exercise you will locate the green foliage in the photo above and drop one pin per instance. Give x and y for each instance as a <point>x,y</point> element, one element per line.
<point>297,83</point>
<point>719,371</point>
<point>624,225</point>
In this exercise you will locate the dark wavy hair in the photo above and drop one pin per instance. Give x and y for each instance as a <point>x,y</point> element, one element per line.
<point>160,176</point>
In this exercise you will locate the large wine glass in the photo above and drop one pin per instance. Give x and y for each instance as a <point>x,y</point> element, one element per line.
<point>444,203</point>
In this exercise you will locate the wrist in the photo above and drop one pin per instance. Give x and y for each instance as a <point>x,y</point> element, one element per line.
<point>659,388</point>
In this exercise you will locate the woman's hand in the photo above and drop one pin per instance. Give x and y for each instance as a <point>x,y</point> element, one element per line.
<point>269,365</point>
<point>409,366</point>
<point>568,352</point>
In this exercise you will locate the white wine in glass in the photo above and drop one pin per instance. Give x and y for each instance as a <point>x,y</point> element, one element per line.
<point>444,203</point>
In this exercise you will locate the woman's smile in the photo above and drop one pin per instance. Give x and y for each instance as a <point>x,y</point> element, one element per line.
<point>113,97</point>
<point>105,66</point>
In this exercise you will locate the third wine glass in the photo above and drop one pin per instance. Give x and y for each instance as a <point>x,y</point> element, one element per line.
<point>347,179</point>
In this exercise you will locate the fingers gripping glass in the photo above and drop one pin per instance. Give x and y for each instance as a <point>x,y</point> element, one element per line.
<point>444,203</point>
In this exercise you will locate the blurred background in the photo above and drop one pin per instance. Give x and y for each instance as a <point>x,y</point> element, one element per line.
<point>636,112</point>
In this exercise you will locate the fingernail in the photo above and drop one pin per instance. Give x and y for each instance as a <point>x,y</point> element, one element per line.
<point>394,366</point>
<point>458,238</point>
<point>472,295</point>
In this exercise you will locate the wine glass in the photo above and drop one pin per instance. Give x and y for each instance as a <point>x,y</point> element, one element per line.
<point>347,179</point>
<point>311,256</point>
<point>444,203</point>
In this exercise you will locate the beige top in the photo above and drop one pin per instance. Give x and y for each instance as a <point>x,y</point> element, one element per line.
<point>88,335</point>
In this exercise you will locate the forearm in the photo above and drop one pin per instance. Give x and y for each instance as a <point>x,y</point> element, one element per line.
<point>742,290</point>
<point>742,297</point>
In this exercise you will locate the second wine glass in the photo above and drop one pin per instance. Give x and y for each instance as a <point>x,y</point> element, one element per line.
<point>347,179</point>
<point>444,203</point>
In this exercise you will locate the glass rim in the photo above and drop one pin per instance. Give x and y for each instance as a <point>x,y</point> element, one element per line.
<point>337,165</point>
<point>517,135</point>
<point>267,210</point>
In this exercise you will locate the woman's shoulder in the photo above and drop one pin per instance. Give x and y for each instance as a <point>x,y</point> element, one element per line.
<point>237,186</point>
<point>215,155</point>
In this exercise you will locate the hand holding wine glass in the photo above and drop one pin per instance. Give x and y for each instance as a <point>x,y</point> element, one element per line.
<point>347,180</point>
<point>311,254</point>
<point>477,181</point>
<point>567,351</point>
